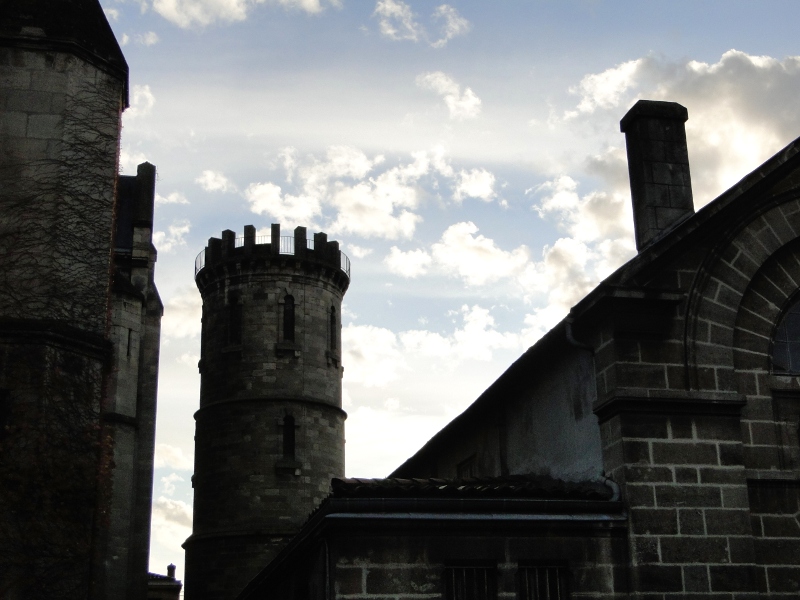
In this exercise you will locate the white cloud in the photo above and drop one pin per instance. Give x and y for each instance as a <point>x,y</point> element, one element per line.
<point>112,14</point>
<point>453,26</point>
<point>476,340</point>
<point>142,102</point>
<point>461,106</point>
<point>407,264</point>
<point>189,359</point>
<point>124,39</point>
<point>172,522</point>
<point>475,183</point>
<point>289,210</point>
<point>171,198</point>
<point>200,13</point>
<point>214,181</point>
<point>172,457</point>
<point>147,39</point>
<point>182,314</point>
<point>371,355</point>
<point>606,89</point>
<point>475,258</point>
<point>733,124</point>
<point>169,481</point>
<point>396,21</point>
<point>358,251</point>
<point>128,161</point>
<point>174,236</point>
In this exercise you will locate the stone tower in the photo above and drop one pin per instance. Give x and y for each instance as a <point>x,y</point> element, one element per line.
<point>270,429</point>
<point>79,312</point>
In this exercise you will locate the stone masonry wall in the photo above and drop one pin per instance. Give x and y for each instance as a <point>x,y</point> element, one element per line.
<point>405,567</point>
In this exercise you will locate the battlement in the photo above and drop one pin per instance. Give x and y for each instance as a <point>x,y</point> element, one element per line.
<point>316,250</point>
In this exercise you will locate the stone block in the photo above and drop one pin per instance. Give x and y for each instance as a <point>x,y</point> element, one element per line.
<point>658,578</point>
<point>349,580</point>
<point>680,453</point>
<point>28,101</point>
<point>732,578</point>
<point>403,580</point>
<point>691,521</point>
<point>727,522</point>
<point>14,79</point>
<point>694,550</point>
<point>784,579</point>
<point>687,496</point>
<point>695,578</point>
<point>654,521</point>
<point>639,495</point>
<point>13,124</point>
<point>44,126</point>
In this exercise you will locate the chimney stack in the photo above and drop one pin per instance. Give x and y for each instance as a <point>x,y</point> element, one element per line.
<point>170,570</point>
<point>658,165</point>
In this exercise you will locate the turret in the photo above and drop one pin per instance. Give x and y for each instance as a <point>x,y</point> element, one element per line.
<point>270,428</point>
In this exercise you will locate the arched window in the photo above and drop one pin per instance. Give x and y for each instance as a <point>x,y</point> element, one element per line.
<point>334,329</point>
<point>234,321</point>
<point>288,318</point>
<point>288,437</point>
<point>786,343</point>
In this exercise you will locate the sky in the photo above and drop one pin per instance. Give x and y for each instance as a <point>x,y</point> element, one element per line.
<point>467,157</point>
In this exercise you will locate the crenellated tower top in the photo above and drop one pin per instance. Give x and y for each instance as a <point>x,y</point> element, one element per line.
<point>310,254</point>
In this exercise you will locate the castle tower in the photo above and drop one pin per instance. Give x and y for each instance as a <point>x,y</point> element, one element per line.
<point>79,313</point>
<point>270,428</point>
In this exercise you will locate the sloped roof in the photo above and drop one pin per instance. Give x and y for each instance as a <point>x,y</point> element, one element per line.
<point>759,187</point>
<point>511,486</point>
<point>76,26</point>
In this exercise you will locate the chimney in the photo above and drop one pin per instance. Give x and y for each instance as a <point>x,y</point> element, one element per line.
<point>658,165</point>
<point>170,570</point>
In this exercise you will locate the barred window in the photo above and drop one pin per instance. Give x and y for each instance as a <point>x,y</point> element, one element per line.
<point>470,583</point>
<point>542,582</point>
<point>786,344</point>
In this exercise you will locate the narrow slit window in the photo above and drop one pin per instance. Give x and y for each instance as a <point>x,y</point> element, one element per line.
<point>334,330</point>
<point>234,321</point>
<point>786,343</point>
<point>288,437</point>
<point>288,319</point>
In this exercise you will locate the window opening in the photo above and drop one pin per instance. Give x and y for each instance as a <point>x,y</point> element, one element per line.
<point>288,318</point>
<point>130,335</point>
<point>786,343</point>
<point>334,329</point>
<point>234,321</point>
<point>466,468</point>
<point>288,437</point>
<point>5,412</point>
<point>542,582</point>
<point>470,583</point>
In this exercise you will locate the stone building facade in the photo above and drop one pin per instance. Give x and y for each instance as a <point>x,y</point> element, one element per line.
<point>270,428</point>
<point>675,383</point>
<point>79,312</point>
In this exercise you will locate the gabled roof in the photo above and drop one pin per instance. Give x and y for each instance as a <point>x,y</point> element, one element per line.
<point>76,26</point>
<point>755,192</point>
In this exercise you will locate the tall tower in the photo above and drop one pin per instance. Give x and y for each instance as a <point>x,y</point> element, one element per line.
<point>270,429</point>
<point>79,312</point>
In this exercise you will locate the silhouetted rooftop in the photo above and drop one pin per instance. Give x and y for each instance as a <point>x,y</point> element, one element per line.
<point>510,486</point>
<point>76,26</point>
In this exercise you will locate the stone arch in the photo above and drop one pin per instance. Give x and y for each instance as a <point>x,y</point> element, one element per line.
<point>720,286</point>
